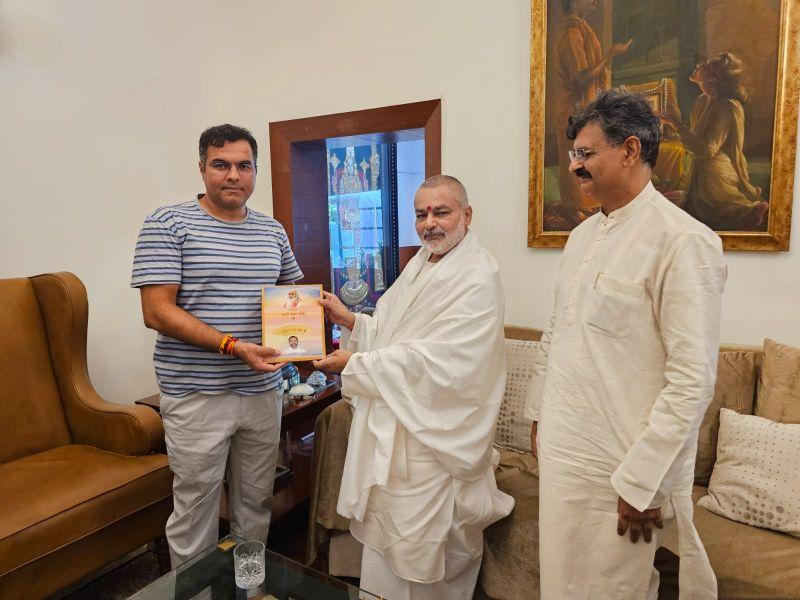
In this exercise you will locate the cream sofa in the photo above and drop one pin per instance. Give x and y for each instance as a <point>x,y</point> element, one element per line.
<point>749,562</point>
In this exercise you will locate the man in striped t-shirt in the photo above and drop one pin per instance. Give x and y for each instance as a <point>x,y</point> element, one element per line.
<point>200,266</point>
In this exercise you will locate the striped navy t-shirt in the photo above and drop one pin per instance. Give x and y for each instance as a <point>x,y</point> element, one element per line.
<point>220,267</point>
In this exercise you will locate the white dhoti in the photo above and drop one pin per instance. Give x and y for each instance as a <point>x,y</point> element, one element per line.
<point>204,434</point>
<point>410,527</point>
<point>578,526</point>
<point>461,570</point>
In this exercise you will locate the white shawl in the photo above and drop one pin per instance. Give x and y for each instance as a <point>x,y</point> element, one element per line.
<point>430,363</point>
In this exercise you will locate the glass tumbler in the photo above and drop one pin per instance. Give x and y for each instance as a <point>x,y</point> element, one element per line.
<point>248,564</point>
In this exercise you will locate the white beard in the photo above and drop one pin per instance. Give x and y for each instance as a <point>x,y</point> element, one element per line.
<point>449,241</point>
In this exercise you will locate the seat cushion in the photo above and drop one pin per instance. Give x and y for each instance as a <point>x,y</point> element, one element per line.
<point>749,562</point>
<point>778,397</point>
<point>735,389</point>
<point>513,429</point>
<point>510,567</point>
<point>53,498</point>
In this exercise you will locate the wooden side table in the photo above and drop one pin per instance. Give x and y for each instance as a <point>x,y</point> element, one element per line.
<point>294,413</point>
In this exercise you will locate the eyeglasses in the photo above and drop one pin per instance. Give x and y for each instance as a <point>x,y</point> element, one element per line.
<point>582,154</point>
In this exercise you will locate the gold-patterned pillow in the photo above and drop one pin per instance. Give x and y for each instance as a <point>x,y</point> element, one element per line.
<point>513,429</point>
<point>778,396</point>
<point>757,475</point>
<point>734,389</point>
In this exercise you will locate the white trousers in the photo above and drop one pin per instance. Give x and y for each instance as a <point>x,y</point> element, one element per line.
<point>204,433</point>
<point>460,575</point>
<point>581,556</point>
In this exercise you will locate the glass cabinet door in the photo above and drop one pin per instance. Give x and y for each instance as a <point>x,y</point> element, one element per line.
<point>367,220</point>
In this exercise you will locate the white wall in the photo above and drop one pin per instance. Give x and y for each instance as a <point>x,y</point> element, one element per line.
<point>102,102</point>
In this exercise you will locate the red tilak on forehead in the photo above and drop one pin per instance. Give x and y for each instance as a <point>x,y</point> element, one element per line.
<point>430,209</point>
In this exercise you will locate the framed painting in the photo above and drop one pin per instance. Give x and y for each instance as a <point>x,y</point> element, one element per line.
<point>727,93</point>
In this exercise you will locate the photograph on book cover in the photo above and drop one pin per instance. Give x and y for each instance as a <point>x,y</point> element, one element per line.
<point>293,321</point>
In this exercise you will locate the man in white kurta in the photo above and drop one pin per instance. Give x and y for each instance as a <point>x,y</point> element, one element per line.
<point>426,375</point>
<point>625,371</point>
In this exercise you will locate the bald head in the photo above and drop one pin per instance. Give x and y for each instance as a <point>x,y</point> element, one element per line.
<point>452,184</point>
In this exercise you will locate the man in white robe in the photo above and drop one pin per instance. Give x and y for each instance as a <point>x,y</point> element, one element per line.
<point>625,371</point>
<point>426,374</point>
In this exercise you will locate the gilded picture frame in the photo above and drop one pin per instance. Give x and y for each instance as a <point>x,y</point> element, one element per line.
<point>761,129</point>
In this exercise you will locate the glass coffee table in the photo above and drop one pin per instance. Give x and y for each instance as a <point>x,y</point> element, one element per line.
<point>209,575</point>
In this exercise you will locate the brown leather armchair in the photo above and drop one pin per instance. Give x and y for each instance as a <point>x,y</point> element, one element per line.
<point>81,480</point>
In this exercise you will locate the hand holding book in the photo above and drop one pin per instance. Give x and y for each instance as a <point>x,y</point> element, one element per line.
<point>336,312</point>
<point>257,357</point>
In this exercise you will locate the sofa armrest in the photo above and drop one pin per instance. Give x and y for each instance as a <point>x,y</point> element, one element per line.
<point>121,428</point>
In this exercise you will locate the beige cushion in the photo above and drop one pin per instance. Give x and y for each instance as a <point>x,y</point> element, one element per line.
<point>757,475</point>
<point>778,396</point>
<point>735,389</point>
<point>513,429</point>
<point>749,562</point>
<point>53,498</point>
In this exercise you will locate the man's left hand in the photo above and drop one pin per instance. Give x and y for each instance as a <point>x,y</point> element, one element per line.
<point>333,363</point>
<point>640,523</point>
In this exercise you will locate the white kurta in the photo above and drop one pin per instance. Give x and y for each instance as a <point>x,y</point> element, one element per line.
<point>427,381</point>
<point>625,371</point>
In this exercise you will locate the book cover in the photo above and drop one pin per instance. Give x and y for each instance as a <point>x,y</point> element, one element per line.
<point>293,321</point>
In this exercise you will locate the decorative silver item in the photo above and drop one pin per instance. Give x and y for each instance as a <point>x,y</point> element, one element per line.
<point>380,285</point>
<point>301,390</point>
<point>317,379</point>
<point>354,291</point>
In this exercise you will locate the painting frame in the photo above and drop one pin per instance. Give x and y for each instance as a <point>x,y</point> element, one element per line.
<point>784,140</point>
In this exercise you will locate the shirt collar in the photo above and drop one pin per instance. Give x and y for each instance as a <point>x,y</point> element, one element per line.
<point>623,214</point>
